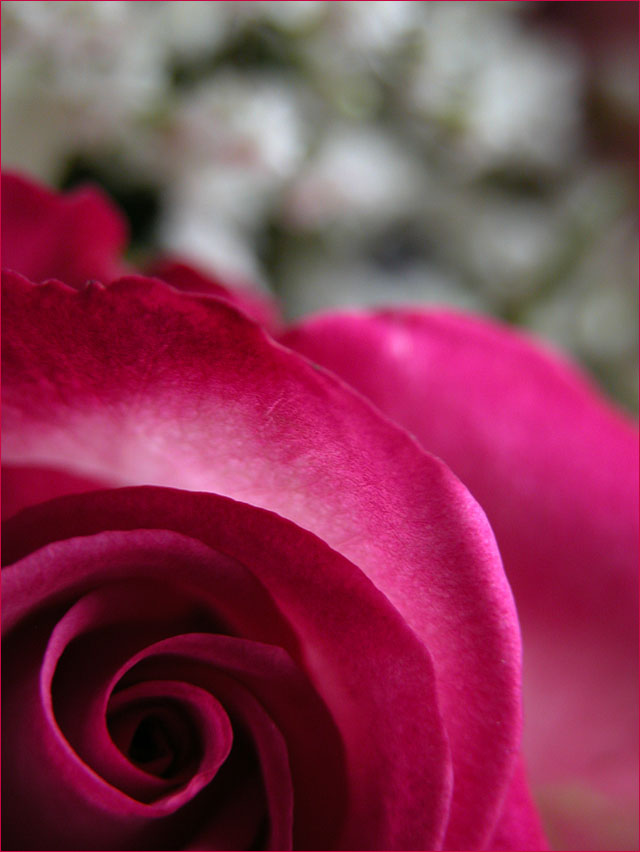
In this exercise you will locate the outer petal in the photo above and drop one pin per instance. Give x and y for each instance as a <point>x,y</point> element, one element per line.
<point>135,384</point>
<point>256,305</point>
<point>76,237</point>
<point>556,470</point>
<point>366,664</point>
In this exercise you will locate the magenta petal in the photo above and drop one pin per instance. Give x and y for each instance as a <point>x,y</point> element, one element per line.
<point>258,306</point>
<point>76,237</point>
<point>272,750</point>
<point>231,596</point>
<point>199,398</point>
<point>556,469</point>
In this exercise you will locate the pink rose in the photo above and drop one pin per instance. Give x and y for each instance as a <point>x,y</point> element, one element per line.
<point>188,670</point>
<point>392,618</point>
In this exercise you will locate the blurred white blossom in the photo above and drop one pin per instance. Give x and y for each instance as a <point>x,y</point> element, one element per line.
<point>506,93</point>
<point>291,15</point>
<point>509,243</point>
<point>313,279</point>
<point>373,27</point>
<point>348,152</point>
<point>243,122</point>
<point>187,29</point>
<point>72,74</point>
<point>229,146</point>
<point>357,175</point>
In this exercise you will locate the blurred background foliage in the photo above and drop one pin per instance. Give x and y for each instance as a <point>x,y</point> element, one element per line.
<point>479,155</point>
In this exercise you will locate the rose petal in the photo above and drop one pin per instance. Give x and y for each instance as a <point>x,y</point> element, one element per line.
<point>230,598</point>
<point>555,468</point>
<point>256,305</point>
<point>76,237</point>
<point>136,384</point>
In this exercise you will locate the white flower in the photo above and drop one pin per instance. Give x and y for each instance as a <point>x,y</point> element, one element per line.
<point>508,245</point>
<point>73,73</point>
<point>245,122</point>
<point>314,280</point>
<point>372,26</point>
<point>357,174</point>
<point>291,15</point>
<point>187,28</point>
<point>509,95</point>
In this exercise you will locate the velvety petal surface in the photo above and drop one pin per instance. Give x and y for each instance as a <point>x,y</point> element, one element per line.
<point>76,237</point>
<point>332,626</point>
<point>556,469</point>
<point>136,384</point>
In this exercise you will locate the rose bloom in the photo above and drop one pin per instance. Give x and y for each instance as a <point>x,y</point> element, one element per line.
<point>246,607</point>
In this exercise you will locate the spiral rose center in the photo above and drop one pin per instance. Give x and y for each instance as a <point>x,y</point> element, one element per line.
<point>155,737</point>
<point>151,744</point>
<point>150,741</point>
